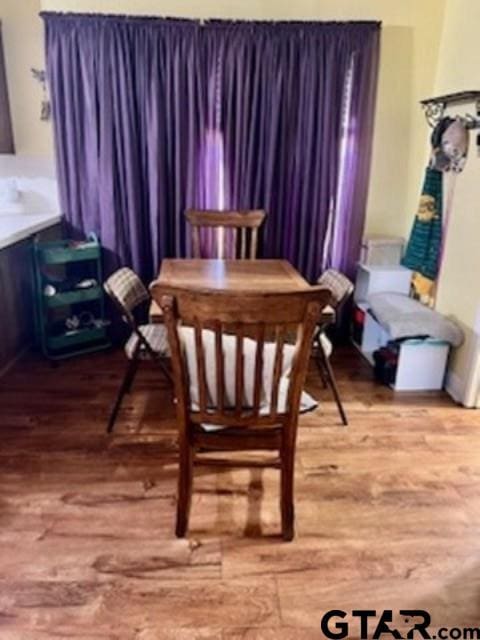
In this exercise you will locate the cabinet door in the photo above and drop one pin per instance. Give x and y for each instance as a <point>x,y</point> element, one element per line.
<point>16,317</point>
<point>17,324</point>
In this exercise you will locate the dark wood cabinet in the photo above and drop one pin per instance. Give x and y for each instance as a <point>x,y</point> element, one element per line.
<point>17,322</point>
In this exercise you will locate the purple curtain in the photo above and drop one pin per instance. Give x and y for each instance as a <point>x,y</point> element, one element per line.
<point>153,116</point>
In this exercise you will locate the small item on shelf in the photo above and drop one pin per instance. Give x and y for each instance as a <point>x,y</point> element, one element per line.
<point>87,283</point>
<point>83,320</point>
<point>358,324</point>
<point>72,323</point>
<point>59,283</point>
<point>385,363</point>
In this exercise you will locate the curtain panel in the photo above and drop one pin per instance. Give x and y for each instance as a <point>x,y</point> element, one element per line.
<point>153,116</point>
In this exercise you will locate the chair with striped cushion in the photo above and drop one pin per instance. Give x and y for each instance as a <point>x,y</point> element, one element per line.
<point>146,342</point>
<point>341,288</point>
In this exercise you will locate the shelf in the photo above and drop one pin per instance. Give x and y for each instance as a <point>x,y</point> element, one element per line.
<point>453,98</point>
<point>435,107</point>
<point>73,297</point>
<point>83,259</point>
<point>65,254</point>
<point>81,336</point>
<point>92,347</point>
<point>65,251</point>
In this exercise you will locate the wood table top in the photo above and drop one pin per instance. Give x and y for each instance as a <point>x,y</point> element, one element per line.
<point>232,275</point>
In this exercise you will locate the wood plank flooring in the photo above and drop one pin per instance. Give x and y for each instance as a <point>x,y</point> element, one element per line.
<point>388,513</point>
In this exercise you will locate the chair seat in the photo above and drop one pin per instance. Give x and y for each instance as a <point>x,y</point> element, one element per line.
<point>155,335</point>
<point>326,345</point>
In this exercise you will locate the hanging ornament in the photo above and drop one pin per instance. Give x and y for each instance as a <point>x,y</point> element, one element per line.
<point>46,109</point>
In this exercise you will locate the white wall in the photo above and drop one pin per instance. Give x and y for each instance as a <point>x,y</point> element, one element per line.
<point>459,288</point>
<point>23,43</point>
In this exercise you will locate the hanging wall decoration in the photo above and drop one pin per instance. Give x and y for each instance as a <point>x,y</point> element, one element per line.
<point>449,142</point>
<point>46,110</point>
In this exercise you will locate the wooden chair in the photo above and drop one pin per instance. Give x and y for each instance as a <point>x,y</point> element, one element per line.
<point>240,227</point>
<point>147,341</point>
<point>246,425</point>
<point>341,288</point>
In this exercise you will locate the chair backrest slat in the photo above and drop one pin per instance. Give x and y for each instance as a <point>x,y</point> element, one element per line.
<point>224,325</point>
<point>225,225</point>
<point>243,247</point>
<point>220,237</point>
<point>220,367</point>
<point>277,367</point>
<point>258,375</point>
<point>201,373</point>
<point>253,243</point>
<point>196,241</point>
<point>239,371</point>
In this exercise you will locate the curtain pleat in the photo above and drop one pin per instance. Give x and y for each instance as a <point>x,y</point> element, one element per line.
<point>154,116</point>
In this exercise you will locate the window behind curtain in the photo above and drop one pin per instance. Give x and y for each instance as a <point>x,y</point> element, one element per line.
<point>6,135</point>
<point>216,185</point>
<point>339,207</point>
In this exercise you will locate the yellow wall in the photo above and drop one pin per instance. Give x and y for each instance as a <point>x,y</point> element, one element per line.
<point>410,39</point>
<point>23,44</point>
<point>459,288</point>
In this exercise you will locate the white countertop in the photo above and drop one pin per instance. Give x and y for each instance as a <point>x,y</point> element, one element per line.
<point>18,226</point>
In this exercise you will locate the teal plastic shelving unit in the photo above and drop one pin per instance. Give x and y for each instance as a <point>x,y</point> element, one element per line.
<point>54,263</point>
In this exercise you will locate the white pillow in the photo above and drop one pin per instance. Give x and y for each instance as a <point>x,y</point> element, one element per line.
<point>229,344</point>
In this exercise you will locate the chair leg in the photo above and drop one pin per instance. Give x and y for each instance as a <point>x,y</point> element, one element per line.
<point>165,370</point>
<point>132,373</point>
<point>286,500</point>
<point>320,367</point>
<point>124,388</point>
<point>333,384</point>
<point>185,482</point>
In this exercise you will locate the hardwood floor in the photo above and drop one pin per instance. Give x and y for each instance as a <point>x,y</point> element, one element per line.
<point>388,514</point>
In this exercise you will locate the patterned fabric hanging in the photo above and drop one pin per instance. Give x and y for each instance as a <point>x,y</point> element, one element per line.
<point>424,252</point>
<point>423,248</point>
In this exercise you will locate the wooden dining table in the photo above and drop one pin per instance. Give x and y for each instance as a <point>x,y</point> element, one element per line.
<point>232,275</point>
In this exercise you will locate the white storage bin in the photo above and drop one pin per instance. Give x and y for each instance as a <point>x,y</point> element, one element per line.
<point>421,362</point>
<point>381,250</point>
<point>377,279</point>
<point>374,337</point>
<point>421,365</point>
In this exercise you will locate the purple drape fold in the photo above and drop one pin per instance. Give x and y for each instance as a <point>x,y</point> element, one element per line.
<point>154,116</point>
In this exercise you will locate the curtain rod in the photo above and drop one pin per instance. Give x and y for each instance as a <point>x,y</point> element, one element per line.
<point>69,15</point>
